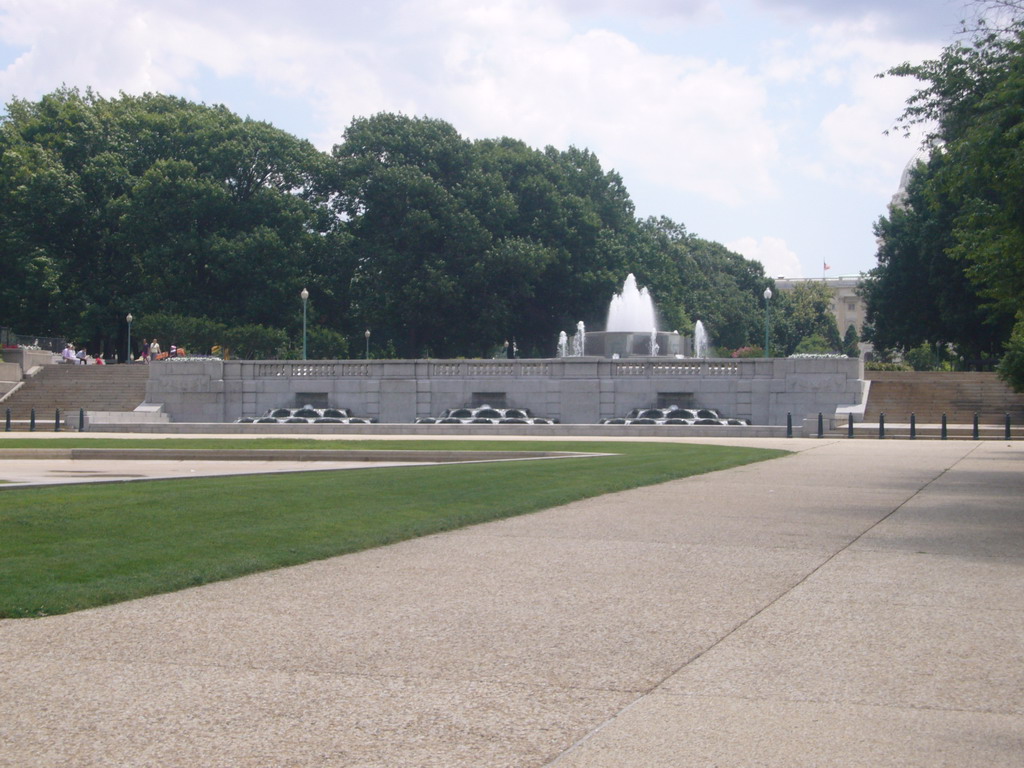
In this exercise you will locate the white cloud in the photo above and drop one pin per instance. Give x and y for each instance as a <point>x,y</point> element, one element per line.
<point>683,122</point>
<point>773,253</point>
<point>501,68</point>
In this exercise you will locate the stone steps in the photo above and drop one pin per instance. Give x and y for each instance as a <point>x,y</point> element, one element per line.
<point>74,387</point>
<point>930,395</point>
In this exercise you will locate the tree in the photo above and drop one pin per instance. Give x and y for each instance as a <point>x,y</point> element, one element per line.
<point>804,313</point>
<point>851,339</point>
<point>973,94</point>
<point>919,293</point>
<point>152,203</point>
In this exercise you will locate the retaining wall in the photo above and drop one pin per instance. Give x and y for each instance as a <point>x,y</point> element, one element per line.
<point>573,390</point>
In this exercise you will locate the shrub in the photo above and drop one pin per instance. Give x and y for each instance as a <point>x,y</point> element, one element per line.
<point>875,365</point>
<point>815,344</point>
<point>325,344</point>
<point>195,334</point>
<point>753,351</point>
<point>1011,367</point>
<point>921,358</point>
<point>256,342</point>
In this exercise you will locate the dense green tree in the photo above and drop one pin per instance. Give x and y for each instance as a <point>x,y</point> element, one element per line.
<point>801,313</point>
<point>973,96</point>
<point>920,293</point>
<point>153,203</point>
<point>851,340</point>
<point>209,225</point>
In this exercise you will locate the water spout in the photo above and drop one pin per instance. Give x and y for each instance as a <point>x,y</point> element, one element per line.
<point>579,340</point>
<point>563,344</point>
<point>631,310</point>
<point>700,340</point>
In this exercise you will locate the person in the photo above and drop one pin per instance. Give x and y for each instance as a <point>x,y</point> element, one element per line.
<point>99,360</point>
<point>81,355</point>
<point>173,351</point>
<point>69,353</point>
<point>145,351</point>
<point>154,349</point>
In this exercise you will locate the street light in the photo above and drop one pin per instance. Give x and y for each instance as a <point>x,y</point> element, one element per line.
<point>129,319</point>
<point>767,298</point>
<point>305,297</point>
<point>367,335</point>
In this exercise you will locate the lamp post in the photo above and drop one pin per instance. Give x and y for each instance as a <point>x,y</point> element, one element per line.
<point>767,298</point>
<point>305,297</point>
<point>128,318</point>
<point>366,334</point>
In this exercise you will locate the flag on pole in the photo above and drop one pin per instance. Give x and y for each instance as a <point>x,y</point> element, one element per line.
<point>826,265</point>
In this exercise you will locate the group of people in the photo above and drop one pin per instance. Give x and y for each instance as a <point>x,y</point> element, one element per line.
<point>79,357</point>
<point>151,351</point>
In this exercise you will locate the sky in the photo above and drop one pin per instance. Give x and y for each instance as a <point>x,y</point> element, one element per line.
<point>759,124</point>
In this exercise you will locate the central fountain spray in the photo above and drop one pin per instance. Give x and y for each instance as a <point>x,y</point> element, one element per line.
<point>632,328</point>
<point>632,310</point>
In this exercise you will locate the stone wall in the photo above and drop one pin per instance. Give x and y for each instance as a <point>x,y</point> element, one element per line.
<point>572,390</point>
<point>26,359</point>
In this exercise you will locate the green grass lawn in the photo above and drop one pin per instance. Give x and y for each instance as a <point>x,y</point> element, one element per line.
<point>65,548</point>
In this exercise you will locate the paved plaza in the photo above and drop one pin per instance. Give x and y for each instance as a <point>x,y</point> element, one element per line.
<point>856,603</point>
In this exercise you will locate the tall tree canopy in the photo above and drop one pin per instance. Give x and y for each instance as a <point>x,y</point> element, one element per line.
<point>211,224</point>
<point>965,211</point>
<point>153,203</point>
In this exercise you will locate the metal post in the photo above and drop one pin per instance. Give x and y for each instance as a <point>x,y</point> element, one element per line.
<point>305,298</point>
<point>881,426</point>
<point>81,419</point>
<point>944,431</point>
<point>849,425</point>
<point>32,421</point>
<point>789,425</point>
<point>913,426</point>
<point>767,320</point>
<point>56,420</point>
<point>974,431</point>
<point>821,425</point>
<point>7,421</point>
<point>1006,424</point>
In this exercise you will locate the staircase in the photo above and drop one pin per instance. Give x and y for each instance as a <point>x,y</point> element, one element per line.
<point>71,387</point>
<point>929,394</point>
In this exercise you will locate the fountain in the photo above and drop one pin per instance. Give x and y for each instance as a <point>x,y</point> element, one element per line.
<point>563,344</point>
<point>632,309</point>
<point>674,415</point>
<point>632,328</point>
<point>700,340</point>
<point>579,340</point>
<point>307,414</point>
<point>485,414</point>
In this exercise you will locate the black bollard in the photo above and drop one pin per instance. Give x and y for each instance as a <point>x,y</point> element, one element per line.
<point>849,425</point>
<point>881,426</point>
<point>944,434</point>
<point>1006,426</point>
<point>32,421</point>
<point>789,425</point>
<point>56,420</point>
<point>7,421</point>
<point>821,425</point>
<point>974,431</point>
<point>913,426</point>
<point>81,419</point>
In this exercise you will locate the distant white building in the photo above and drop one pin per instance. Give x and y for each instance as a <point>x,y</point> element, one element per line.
<point>847,307</point>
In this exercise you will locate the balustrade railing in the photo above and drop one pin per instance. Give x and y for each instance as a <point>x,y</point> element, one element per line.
<point>565,368</point>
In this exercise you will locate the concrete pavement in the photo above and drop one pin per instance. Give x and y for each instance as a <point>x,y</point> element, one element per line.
<point>855,603</point>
